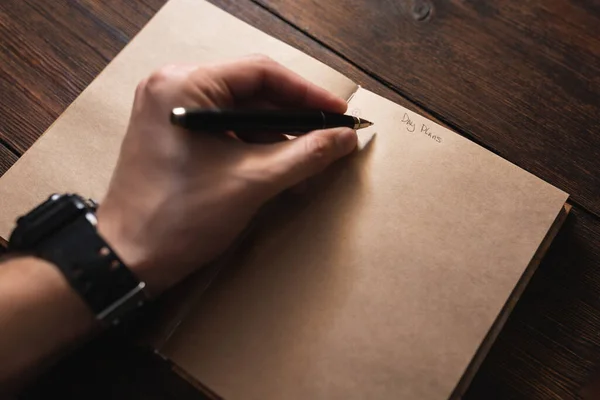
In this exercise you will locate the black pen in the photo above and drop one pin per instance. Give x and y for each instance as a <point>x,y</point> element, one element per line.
<point>281,121</point>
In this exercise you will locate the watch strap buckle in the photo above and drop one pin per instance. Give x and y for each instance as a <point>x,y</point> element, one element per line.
<point>133,299</point>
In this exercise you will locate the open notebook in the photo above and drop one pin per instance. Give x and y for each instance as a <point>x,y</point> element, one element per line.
<point>390,278</point>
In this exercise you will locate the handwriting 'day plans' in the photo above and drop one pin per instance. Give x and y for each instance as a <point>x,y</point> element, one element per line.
<point>424,129</point>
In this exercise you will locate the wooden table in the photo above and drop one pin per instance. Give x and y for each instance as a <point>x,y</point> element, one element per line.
<point>520,78</point>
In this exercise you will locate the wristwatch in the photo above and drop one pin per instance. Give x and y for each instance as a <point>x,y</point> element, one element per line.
<point>62,230</point>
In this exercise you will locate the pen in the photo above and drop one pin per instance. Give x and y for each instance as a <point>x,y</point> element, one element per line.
<point>284,121</point>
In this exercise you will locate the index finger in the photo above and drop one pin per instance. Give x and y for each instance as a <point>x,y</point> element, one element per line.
<point>261,78</point>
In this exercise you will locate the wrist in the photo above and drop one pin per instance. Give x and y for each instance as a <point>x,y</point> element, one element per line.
<point>53,288</point>
<point>49,286</point>
<point>41,312</point>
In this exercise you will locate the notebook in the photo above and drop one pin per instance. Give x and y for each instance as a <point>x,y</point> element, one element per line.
<point>389,278</point>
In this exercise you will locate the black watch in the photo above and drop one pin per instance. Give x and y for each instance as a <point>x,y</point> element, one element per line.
<point>62,230</point>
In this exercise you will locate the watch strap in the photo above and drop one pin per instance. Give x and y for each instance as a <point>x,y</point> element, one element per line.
<point>75,247</point>
<point>94,270</point>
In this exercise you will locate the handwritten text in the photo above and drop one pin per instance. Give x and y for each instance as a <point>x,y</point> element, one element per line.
<point>410,125</point>
<point>425,129</point>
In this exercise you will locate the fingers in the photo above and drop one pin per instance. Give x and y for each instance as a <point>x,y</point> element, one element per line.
<point>292,162</point>
<point>260,78</point>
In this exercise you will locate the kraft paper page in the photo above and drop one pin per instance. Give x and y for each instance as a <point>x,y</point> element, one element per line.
<point>78,152</point>
<point>380,282</point>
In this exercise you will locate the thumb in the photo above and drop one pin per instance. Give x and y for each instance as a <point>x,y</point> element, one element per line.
<point>298,159</point>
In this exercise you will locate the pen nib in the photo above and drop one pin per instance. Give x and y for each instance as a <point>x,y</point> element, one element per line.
<point>361,123</point>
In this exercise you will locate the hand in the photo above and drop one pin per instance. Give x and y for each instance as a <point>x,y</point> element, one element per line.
<point>178,199</point>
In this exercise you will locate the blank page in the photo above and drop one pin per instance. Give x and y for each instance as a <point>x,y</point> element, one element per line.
<point>381,281</point>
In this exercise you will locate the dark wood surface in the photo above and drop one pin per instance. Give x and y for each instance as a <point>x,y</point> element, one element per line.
<point>51,50</point>
<point>7,158</point>
<point>521,78</point>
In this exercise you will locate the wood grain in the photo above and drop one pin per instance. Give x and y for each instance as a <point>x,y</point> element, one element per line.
<point>7,158</point>
<point>521,77</point>
<point>51,51</point>
<point>549,347</point>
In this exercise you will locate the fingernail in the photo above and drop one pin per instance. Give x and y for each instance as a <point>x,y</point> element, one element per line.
<point>346,140</point>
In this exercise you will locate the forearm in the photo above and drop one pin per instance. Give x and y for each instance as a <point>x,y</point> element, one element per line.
<point>40,314</point>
